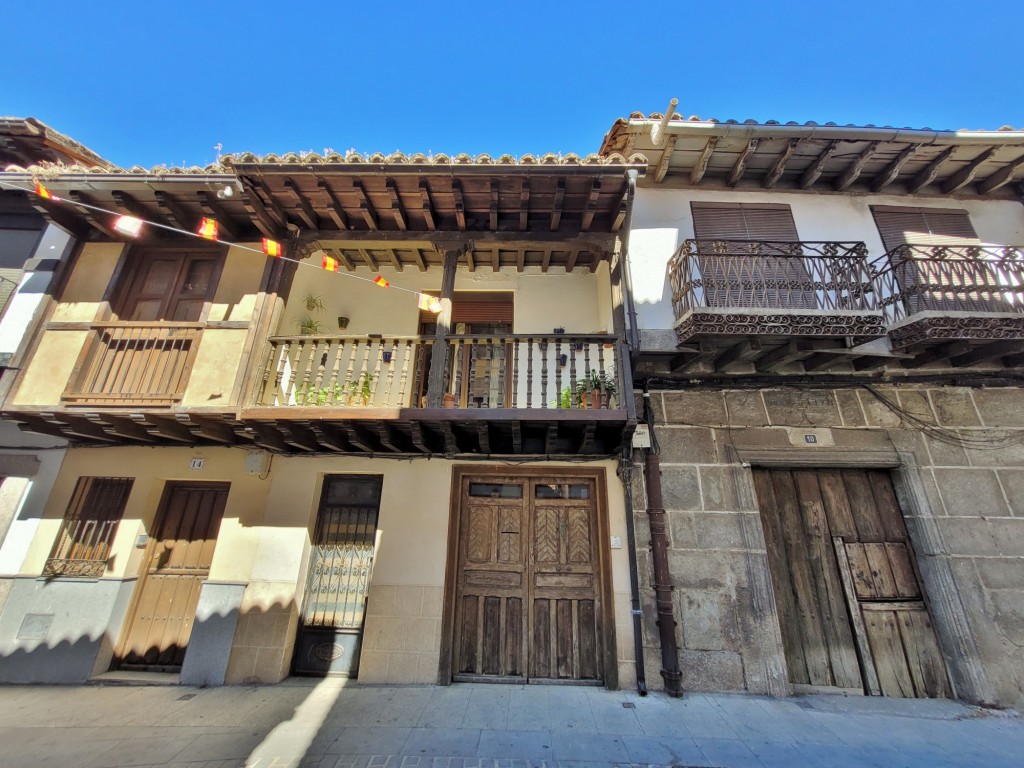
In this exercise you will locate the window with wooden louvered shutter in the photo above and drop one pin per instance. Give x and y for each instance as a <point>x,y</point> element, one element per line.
<point>90,524</point>
<point>733,273</point>
<point>950,283</point>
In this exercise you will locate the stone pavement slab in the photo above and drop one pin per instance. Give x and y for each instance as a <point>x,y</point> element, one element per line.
<point>339,724</point>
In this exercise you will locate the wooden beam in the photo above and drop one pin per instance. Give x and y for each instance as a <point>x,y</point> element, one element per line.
<point>396,204</point>
<point>854,169</point>
<point>892,170</point>
<point>387,439</point>
<point>439,352</point>
<point>702,162</point>
<point>936,353</point>
<point>59,215</point>
<point>815,169</point>
<point>92,216</point>
<point>259,215</point>
<point>451,445</point>
<point>119,428</point>
<point>620,212</point>
<point>966,175</point>
<point>427,206</point>
<point>520,259</point>
<point>334,207</point>
<point>1014,360</point>
<point>790,352</point>
<point>666,158</point>
<point>587,437</point>
<point>419,441</point>
<point>524,206</point>
<point>570,263</point>
<point>556,206</point>
<point>395,261</point>
<point>340,255</point>
<point>460,205</point>
<point>356,437</point>
<point>208,204</point>
<point>517,437</point>
<point>178,215</point>
<point>1001,177</point>
<point>213,431</point>
<point>270,202</point>
<point>495,258</point>
<point>495,195</point>
<point>929,172</point>
<point>162,429</point>
<point>591,206</point>
<point>369,260</point>
<point>298,436</point>
<point>483,436</point>
<point>985,353</point>
<point>779,167</point>
<point>77,428</point>
<point>421,262</point>
<point>328,437</point>
<point>366,209</point>
<point>741,162</point>
<point>742,352</point>
<point>545,260</point>
<point>305,210</point>
<point>551,437</point>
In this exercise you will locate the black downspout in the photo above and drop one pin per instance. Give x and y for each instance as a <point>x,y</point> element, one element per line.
<point>659,555</point>
<point>626,476</point>
<point>634,330</point>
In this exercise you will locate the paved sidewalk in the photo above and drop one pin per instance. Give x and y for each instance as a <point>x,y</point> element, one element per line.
<point>328,724</point>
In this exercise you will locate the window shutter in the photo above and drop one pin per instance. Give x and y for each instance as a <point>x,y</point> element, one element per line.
<point>90,524</point>
<point>734,279</point>
<point>477,307</point>
<point>900,225</point>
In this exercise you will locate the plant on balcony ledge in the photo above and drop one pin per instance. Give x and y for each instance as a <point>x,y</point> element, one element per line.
<point>592,385</point>
<point>332,394</point>
<point>360,391</point>
<point>308,326</point>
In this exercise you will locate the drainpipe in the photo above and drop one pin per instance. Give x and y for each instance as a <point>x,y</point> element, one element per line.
<point>626,476</point>
<point>634,332</point>
<point>659,554</point>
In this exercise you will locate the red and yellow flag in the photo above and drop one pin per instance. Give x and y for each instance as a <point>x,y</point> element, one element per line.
<point>330,264</point>
<point>128,225</point>
<point>43,192</point>
<point>208,229</point>
<point>429,303</point>
<point>378,280</point>
<point>272,247</point>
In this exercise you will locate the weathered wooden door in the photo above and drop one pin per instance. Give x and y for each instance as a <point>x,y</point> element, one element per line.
<point>850,603</point>
<point>177,562</point>
<point>527,604</point>
<point>338,578</point>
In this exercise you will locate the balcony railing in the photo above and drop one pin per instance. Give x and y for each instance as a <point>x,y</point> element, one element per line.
<point>950,278</point>
<point>757,274</point>
<point>520,371</point>
<point>128,363</point>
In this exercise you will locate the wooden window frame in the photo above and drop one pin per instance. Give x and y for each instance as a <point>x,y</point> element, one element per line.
<point>124,296</point>
<point>90,523</point>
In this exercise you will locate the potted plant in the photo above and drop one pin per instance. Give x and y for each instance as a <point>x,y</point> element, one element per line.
<point>342,323</point>
<point>591,387</point>
<point>361,389</point>
<point>308,326</point>
<point>314,303</point>
<point>566,399</point>
<point>331,393</point>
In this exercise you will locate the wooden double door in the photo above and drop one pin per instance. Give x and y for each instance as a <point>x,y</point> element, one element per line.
<point>528,584</point>
<point>851,608</point>
<point>177,562</point>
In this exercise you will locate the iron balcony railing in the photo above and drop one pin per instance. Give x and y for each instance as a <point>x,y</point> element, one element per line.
<point>514,371</point>
<point>760,274</point>
<point>950,278</point>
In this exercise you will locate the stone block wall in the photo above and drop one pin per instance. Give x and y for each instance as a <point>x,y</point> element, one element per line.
<point>957,456</point>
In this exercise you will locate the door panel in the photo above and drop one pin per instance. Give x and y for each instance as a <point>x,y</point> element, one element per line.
<point>850,603</point>
<point>177,562</point>
<point>527,604</point>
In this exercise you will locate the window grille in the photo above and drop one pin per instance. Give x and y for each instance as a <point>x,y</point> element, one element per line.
<point>90,524</point>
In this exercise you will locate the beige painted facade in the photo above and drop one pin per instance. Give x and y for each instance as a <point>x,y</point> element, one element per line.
<point>264,542</point>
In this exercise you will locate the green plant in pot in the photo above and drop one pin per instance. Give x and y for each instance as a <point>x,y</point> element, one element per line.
<point>361,389</point>
<point>308,326</point>
<point>332,394</point>
<point>590,388</point>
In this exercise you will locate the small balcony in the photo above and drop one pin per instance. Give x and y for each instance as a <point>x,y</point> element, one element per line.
<point>134,364</point>
<point>958,303</point>
<point>513,394</point>
<point>771,303</point>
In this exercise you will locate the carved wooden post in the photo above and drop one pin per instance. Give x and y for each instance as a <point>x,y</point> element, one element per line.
<point>439,353</point>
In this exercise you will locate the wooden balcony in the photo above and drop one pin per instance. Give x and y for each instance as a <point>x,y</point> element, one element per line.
<point>134,364</point>
<point>962,304</point>
<point>771,303</point>
<point>502,395</point>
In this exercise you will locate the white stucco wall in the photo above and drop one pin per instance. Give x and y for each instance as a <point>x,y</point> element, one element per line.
<point>662,221</point>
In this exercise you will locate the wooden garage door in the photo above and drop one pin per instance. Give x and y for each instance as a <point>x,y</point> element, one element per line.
<point>850,603</point>
<point>527,604</point>
<point>177,562</point>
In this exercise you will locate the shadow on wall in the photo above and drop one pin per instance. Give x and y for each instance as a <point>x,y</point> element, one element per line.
<point>250,644</point>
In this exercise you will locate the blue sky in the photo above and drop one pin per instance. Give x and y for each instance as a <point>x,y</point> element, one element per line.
<point>163,83</point>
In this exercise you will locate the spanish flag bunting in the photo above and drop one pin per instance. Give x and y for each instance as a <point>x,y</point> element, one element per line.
<point>330,264</point>
<point>207,229</point>
<point>429,303</point>
<point>128,225</point>
<point>271,247</point>
<point>43,192</point>
<point>378,280</point>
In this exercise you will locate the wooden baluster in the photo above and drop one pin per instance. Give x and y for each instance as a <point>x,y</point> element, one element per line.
<point>375,384</point>
<point>458,349</point>
<point>336,347</point>
<point>351,347</point>
<point>529,372</point>
<point>289,390</point>
<point>319,359</point>
<point>504,366</point>
<point>389,374</point>
<point>280,395</point>
<point>259,395</point>
<point>545,345</point>
<point>558,371</point>
<point>408,350</point>
<point>515,346</point>
<point>573,379</point>
<point>364,369</point>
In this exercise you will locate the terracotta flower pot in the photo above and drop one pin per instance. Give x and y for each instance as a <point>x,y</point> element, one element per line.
<point>449,400</point>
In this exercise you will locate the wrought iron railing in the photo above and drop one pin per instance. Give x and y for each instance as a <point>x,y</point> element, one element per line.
<point>515,371</point>
<point>129,363</point>
<point>950,278</point>
<point>758,274</point>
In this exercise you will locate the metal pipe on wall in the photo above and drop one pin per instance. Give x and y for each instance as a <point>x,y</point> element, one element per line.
<point>625,473</point>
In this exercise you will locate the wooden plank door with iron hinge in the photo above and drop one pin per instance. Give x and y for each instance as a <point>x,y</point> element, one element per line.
<point>177,562</point>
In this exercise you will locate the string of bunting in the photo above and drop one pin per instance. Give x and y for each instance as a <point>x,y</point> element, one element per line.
<point>208,229</point>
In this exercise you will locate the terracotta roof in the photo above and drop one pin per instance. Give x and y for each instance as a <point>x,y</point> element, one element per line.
<point>28,139</point>
<point>677,118</point>
<point>399,158</point>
